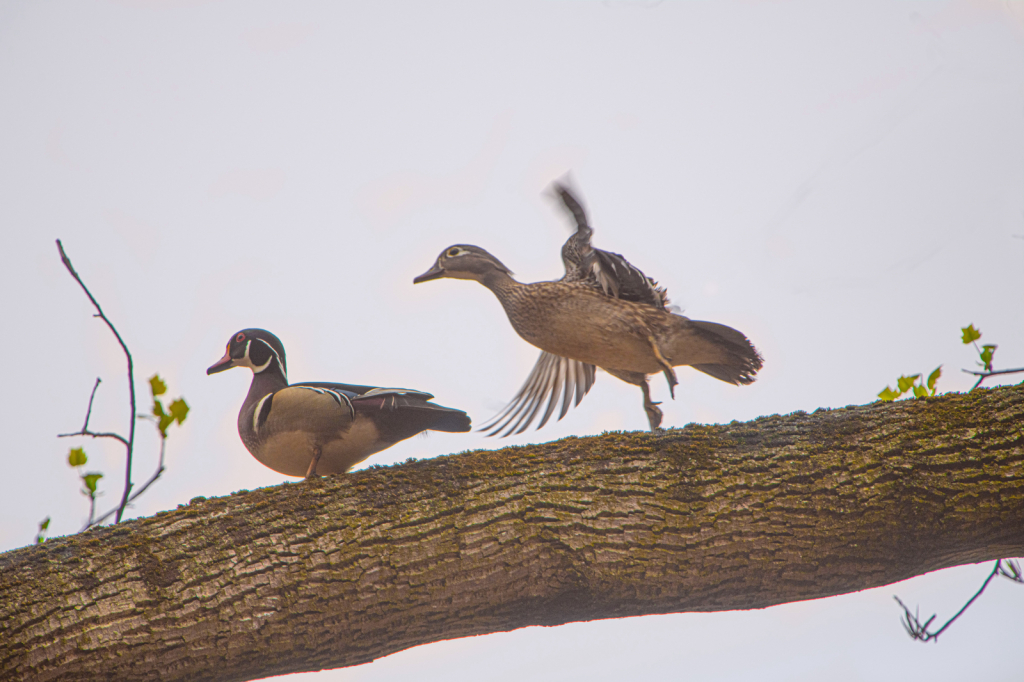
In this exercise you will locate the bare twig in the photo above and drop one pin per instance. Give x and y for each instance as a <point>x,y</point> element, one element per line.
<point>130,441</point>
<point>85,427</point>
<point>142,488</point>
<point>985,375</point>
<point>92,509</point>
<point>918,630</point>
<point>88,411</point>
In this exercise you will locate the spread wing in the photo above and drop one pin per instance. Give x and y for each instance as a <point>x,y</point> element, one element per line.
<point>552,376</point>
<point>619,278</point>
<point>611,272</point>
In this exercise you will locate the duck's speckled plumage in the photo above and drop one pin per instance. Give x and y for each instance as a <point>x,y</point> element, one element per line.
<point>606,313</point>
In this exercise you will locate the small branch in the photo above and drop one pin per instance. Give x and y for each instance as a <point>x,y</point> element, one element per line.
<point>129,444</point>
<point>918,630</point>
<point>92,434</point>
<point>141,489</point>
<point>85,427</point>
<point>88,411</point>
<point>984,375</point>
<point>92,508</point>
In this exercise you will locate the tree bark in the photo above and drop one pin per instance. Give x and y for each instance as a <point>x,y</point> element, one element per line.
<point>349,568</point>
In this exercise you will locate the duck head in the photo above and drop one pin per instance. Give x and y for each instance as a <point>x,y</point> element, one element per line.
<point>257,349</point>
<point>464,261</point>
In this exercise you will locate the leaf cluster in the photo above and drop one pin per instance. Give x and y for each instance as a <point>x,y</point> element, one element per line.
<point>985,353</point>
<point>913,384</point>
<point>175,412</point>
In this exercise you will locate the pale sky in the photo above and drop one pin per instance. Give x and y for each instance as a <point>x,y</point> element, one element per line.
<point>842,182</point>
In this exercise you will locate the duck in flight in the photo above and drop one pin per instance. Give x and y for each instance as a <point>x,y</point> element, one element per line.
<point>603,313</point>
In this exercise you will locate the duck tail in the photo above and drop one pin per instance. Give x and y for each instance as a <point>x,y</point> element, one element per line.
<point>448,419</point>
<point>716,350</point>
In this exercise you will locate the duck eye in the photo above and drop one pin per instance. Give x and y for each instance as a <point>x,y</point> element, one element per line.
<point>240,337</point>
<point>454,252</point>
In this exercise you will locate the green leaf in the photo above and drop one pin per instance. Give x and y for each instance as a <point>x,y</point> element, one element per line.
<point>920,391</point>
<point>179,410</point>
<point>987,351</point>
<point>76,457</point>
<point>43,525</point>
<point>933,377</point>
<point>157,385</point>
<point>90,481</point>
<point>970,333</point>
<point>158,408</point>
<point>907,383</point>
<point>165,421</point>
<point>888,394</point>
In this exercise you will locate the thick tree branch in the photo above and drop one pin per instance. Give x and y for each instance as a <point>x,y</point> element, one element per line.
<point>346,569</point>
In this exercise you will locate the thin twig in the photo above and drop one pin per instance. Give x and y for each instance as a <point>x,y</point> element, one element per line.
<point>93,434</point>
<point>88,411</point>
<point>141,489</point>
<point>129,444</point>
<point>92,507</point>
<point>985,375</point>
<point>918,630</point>
<point>85,426</point>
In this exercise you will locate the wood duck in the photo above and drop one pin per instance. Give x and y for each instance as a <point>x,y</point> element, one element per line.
<point>317,428</point>
<point>604,312</point>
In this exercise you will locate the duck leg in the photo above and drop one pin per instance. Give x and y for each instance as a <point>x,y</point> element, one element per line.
<point>666,367</point>
<point>311,471</point>
<point>654,414</point>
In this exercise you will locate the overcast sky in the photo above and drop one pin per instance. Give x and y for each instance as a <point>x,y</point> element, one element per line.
<point>843,183</point>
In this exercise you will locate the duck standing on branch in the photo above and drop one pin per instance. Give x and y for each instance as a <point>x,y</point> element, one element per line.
<point>317,428</point>
<point>604,312</point>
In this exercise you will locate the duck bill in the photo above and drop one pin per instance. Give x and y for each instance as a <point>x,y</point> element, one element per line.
<point>435,272</point>
<point>226,362</point>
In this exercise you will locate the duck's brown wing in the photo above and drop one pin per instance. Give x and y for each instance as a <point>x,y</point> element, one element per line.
<point>615,275</point>
<point>551,377</point>
<point>619,278</point>
<point>577,248</point>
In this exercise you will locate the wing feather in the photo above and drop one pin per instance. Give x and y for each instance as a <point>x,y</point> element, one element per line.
<point>552,377</point>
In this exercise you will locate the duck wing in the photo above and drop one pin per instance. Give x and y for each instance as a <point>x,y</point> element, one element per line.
<point>551,377</point>
<point>398,413</point>
<point>610,272</point>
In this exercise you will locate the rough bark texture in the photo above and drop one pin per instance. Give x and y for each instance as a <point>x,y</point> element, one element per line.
<point>353,567</point>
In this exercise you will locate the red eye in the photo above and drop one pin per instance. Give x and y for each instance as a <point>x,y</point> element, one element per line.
<point>240,337</point>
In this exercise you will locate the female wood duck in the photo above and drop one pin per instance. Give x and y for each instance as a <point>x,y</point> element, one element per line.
<point>606,313</point>
<point>322,428</point>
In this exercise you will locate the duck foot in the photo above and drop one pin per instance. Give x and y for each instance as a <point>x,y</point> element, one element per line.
<point>311,471</point>
<point>654,414</point>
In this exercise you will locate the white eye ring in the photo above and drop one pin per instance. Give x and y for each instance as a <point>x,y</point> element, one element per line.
<point>455,251</point>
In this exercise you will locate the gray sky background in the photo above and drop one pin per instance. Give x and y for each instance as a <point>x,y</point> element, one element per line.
<point>843,183</point>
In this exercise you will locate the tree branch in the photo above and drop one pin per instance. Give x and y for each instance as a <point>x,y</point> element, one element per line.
<point>919,631</point>
<point>345,569</point>
<point>130,442</point>
<point>986,374</point>
<point>142,488</point>
<point>85,426</point>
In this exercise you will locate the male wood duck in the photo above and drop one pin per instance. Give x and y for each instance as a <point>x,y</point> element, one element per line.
<point>317,428</point>
<point>604,312</point>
